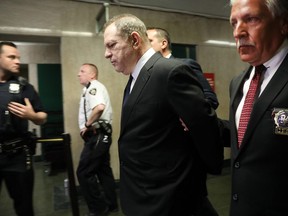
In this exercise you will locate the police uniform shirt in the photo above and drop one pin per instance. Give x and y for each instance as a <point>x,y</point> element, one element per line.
<point>14,90</point>
<point>95,94</point>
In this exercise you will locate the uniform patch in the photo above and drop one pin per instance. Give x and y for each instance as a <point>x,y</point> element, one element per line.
<point>281,121</point>
<point>93,91</point>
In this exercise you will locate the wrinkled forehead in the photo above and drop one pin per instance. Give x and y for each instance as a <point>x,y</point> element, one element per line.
<point>111,34</point>
<point>246,7</point>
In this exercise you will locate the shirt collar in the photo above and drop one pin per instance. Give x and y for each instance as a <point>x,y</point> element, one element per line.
<point>168,56</point>
<point>142,61</point>
<point>277,59</point>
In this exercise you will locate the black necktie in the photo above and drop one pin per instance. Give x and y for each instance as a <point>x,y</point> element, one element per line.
<point>127,90</point>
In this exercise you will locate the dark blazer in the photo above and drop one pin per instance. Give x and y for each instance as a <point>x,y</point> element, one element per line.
<point>161,167</point>
<point>208,91</point>
<point>259,178</point>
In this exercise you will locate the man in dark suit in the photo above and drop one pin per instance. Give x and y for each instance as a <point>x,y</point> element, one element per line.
<point>259,161</point>
<point>160,168</point>
<point>161,42</point>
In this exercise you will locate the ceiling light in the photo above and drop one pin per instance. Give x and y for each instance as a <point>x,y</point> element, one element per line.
<point>222,43</point>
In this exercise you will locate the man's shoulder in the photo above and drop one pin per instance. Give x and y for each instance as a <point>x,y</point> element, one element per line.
<point>189,61</point>
<point>96,84</point>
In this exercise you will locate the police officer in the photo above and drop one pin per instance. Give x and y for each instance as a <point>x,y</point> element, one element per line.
<point>95,116</point>
<point>19,103</point>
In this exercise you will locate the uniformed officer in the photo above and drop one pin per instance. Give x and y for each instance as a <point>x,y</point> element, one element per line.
<point>19,103</point>
<point>95,116</point>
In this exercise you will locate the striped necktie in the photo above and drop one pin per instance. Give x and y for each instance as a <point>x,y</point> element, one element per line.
<point>249,101</point>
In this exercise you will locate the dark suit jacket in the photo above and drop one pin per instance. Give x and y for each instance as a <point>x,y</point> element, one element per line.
<point>161,170</point>
<point>259,178</point>
<point>208,91</point>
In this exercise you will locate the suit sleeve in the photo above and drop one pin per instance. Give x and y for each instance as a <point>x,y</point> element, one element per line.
<point>187,98</point>
<point>208,91</point>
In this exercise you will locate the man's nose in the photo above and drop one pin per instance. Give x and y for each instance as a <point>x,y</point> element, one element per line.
<point>240,30</point>
<point>107,53</point>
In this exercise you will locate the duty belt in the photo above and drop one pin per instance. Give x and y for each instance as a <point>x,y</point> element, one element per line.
<point>103,125</point>
<point>11,147</point>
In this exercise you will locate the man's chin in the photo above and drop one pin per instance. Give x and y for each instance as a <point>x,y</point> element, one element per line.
<point>245,57</point>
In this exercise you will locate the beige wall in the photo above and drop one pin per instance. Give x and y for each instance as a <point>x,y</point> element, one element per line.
<point>58,18</point>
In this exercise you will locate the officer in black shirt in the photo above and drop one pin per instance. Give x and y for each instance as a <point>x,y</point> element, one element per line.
<point>19,103</point>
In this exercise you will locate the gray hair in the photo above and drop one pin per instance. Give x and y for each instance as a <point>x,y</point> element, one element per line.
<point>126,24</point>
<point>278,8</point>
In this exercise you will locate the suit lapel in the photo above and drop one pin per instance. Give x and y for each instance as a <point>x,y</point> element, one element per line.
<point>278,81</point>
<point>237,94</point>
<point>271,91</point>
<point>140,83</point>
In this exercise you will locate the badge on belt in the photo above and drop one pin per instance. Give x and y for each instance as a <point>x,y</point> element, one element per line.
<point>281,121</point>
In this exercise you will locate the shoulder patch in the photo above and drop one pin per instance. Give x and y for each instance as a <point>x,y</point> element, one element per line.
<point>93,91</point>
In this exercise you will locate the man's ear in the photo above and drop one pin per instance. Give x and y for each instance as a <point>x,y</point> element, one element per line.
<point>135,39</point>
<point>164,44</point>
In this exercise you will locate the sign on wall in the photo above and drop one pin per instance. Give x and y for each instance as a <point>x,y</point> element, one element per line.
<point>211,79</point>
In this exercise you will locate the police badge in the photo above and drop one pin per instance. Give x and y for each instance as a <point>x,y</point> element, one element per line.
<point>93,91</point>
<point>14,88</point>
<point>281,121</point>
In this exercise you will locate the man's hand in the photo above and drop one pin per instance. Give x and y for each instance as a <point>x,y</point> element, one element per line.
<point>27,112</point>
<point>22,111</point>
<point>83,130</point>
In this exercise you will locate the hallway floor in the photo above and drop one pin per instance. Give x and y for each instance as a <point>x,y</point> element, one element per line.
<point>51,199</point>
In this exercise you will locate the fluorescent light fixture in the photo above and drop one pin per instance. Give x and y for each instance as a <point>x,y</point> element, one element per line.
<point>44,32</point>
<point>222,43</point>
<point>23,29</point>
<point>72,33</point>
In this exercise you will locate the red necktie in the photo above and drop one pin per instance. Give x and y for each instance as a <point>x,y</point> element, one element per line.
<point>249,101</point>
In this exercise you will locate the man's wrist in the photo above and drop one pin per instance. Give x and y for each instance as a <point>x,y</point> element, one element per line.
<point>87,126</point>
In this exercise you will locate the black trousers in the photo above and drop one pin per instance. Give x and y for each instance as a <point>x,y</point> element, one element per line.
<point>94,168</point>
<point>19,183</point>
<point>206,208</point>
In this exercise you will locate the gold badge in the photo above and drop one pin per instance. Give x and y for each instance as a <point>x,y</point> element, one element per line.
<point>281,121</point>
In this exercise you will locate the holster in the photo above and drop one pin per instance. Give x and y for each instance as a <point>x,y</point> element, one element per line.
<point>12,146</point>
<point>31,142</point>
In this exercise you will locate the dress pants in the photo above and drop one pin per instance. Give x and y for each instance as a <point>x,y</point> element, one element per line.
<point>94,168</point>
<point>206,208</point>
